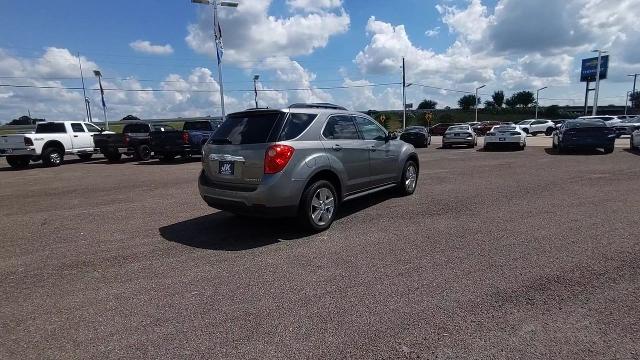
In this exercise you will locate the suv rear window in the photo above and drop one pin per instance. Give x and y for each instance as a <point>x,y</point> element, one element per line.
<point>197,126</point>
<point>296,124</point>
<point>51,128</point>
<point>247,128</point>
<point>135,128</point>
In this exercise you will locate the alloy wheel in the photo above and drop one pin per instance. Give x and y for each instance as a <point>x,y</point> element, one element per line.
<point>411,178</point>
<point>322,206</point>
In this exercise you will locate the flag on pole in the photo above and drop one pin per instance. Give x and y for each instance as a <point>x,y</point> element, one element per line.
<point>218,37</point>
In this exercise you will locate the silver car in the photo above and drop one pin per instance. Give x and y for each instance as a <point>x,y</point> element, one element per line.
<point>459,135</point>
<point>302,161</point>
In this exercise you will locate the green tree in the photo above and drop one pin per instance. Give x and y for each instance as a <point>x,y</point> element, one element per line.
<point>511,102</point>
<point>498,98</point>
<point>427,104</point>
<point>552,112</point>
<point>489,104</point>
<point>524,98</point>
<point>468,101</point>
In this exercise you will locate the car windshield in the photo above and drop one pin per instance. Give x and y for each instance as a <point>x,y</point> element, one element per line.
<point>458,128</point>
<point>197,126</point>
<point>505,128</point>
<point>584,123</point>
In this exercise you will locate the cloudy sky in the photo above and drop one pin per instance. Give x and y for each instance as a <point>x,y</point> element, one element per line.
<point>343,51</point>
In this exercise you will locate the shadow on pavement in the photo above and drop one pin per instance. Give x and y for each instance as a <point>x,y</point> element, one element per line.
<point>586,152</point>
<point>227,232</point>
<point>39,165</point>
<point>634,152</point>
<point>500,149</point>
<point>174,162</point>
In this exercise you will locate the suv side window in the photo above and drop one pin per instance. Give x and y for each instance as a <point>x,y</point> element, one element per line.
<point>296,124</point>
<point>370,130</point>
<point>340,127</point>
<point>77,128</point>
<point>538,122</point>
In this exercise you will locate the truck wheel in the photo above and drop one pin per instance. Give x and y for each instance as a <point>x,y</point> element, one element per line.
<point>318,206</point>
<point>85,157</point>
<point>52,157</point>
<point>113,156</point>
<point>18,162</point>
<point>143,153</point>
<point>609,149</point>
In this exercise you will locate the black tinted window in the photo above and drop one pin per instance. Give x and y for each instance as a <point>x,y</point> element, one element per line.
<point>247,128</point>
<point>197,126</point>
<point>296,124</point>
<point>163,128</point>
<point>340,128</point>
<point>51,128</point>
<point>135,128</point>
<point>584,123</point>
<point>77,128</point>
<point>369,129</point>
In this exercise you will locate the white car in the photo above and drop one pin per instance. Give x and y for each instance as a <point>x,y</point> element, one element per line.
<point>505,135</point>
<point>459,135</point>
<point>50,142</point>
<point>635,140</point>
<point>535,127</point>
<point>608,119</point>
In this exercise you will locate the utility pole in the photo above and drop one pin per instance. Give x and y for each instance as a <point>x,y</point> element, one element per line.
<point>476,101</point>
<point>626,102</point>
<point>538,100</point>
<point>404,96</point>
<point>635,77</point>
<point>255,88</point>
<point>595,97</point>
<point>98,74</point>
<point>84,91</point>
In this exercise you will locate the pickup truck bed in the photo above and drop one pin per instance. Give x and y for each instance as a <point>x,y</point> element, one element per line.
<point>185,143</point>
<point>133,142</point>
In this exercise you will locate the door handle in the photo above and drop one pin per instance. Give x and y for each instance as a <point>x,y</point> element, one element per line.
<point>75,135</point>
<point>337,148</point>
<point>373,149</point>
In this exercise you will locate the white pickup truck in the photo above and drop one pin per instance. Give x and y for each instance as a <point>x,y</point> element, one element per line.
<point>50,142</point>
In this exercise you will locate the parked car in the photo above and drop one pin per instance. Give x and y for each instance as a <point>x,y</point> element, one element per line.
<point>473,123</point>
<point>586,133</point>
<point>50,142</point>
<point>635,140</point>
<point>133,142</point>
<point>440,129</point>
<point>459,135</point>
<point>168,144</point>
<point>505,135</point>
<point>534,127</point>
<point>418,136</point>
<point>627,126</point>
<point>302,161</point>
<point>608,119</point>
<point>485,127</point>
<point>559,122</point>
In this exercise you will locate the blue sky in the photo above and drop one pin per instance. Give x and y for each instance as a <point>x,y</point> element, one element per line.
<point>506,44</point>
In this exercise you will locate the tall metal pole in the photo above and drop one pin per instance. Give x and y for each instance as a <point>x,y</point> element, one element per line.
<point>595,97</point>
<point>476,104</point>
<point>104,107</point>
<point>84,91</point>
<point>220,83</point>
<point>255,88</point>
<point>404,96</point>
<point>635,77</point>
<point>586,99</point>
<point>538,100</point>
<point>88,103</point>
<point>626,102</point>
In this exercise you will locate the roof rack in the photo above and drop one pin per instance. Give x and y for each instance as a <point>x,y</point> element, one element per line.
<point>317,106</point>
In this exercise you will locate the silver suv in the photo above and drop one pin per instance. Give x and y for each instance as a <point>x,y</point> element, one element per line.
<point>302,161</point>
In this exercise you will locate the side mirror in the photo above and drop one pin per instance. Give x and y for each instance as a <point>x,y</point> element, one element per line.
<point>391,136</point>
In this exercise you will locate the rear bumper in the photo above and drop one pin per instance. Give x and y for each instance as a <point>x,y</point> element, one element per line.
<point>582,143</point>
<point>500,140</point>
<point>276,196</point>
<point>458,141</point>
<point>17,152</point>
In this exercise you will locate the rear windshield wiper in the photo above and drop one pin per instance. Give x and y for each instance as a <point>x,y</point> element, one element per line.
<point>220,141</point>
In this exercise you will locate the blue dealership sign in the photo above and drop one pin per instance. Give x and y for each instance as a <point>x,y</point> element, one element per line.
<point>590,68</point>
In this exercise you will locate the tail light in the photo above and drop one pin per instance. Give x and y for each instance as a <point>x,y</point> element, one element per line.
<point>185,138</point>
<point>514,133</point>
<point>28,141</point>
<point>126,141</point>
<point>491,134</point>
<point>277,157</point>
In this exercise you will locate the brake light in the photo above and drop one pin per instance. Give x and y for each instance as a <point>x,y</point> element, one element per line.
<point>185,138</point>
<point>277,157</point>
<point>514,133</point>
<point>126,141</point>
<point>491,134</point>
<point>28,141</point>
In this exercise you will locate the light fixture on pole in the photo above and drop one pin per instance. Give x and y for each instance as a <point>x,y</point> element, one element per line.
<point>538,99</point>
<point>98,74</point>
<point>595,98</point>
<point>217,35</point>
<point>476,101</point>
<point>255,88</point>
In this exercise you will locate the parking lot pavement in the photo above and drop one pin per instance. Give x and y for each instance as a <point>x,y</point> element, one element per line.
<point>498,255</point>
<point>537,141</point>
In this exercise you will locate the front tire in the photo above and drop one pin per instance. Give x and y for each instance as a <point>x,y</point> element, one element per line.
<point>319,206</point>
<point>143,153</point>
<point>19,162</point>
<point>52,157</point>
<point>409,180</point>
<point>549,132</point>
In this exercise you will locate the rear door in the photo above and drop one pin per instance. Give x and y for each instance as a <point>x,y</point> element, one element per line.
<point>235,153</point>
<point>80,138</point>
<point>382,155</point>
<point>348,152</point>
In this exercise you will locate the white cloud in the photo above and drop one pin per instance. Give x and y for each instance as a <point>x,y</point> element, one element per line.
<point>251,34</point>
<point>433,32</point>
<point>148,48</point>
<point>314,5</point>
<point>470,22</point>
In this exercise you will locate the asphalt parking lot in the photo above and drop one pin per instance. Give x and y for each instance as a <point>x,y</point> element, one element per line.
<point>524,254</point>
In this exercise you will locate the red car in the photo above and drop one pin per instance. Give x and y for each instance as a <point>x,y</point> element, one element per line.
<point>440,129</point>
<point>484,127</point>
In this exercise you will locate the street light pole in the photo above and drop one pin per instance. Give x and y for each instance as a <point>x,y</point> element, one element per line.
<point>476,101</point>
<point>404,96</point>
<point>538,100</point>
<point>217,38</point>
<point>255,88</point>
<point>98,74</point>
<point>595,98</point>
<point>88,104</point>
<point>84,91</point>
<point>626,102</point>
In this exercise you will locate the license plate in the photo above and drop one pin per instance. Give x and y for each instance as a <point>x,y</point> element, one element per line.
<point>502,139</point>
<point>226,167</point>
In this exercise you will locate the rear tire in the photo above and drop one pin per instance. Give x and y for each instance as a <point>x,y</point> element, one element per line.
<point>52,157</point>
<point>409,181</point>
<point>609,149</point>
<point>318,206</point>
<point>85,157</point>
<point>143,153</point>
<point>19,162</point>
